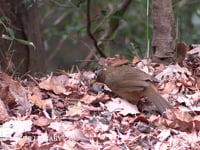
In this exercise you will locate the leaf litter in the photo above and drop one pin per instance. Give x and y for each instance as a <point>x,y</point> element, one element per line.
<point>69,111</point>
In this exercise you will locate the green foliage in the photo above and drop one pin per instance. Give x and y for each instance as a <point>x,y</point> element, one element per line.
<point>7,29</point>
<point>10,33</point>
<point>187,14</point>
<point>10,36</point>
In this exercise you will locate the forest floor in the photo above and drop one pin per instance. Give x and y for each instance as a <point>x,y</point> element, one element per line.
<point>69,111</point>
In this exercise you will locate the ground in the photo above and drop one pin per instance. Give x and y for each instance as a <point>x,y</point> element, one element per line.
<point>70,111</point>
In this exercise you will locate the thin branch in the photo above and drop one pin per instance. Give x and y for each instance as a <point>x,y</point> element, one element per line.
<point>57,49</point>
<point>114,27</point>
<point>103,21</point>
<point>89,31</point>
<point>108,33</point>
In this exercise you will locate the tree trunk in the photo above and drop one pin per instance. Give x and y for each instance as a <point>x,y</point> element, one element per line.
<point>163,41</point>
<point>25,23</point>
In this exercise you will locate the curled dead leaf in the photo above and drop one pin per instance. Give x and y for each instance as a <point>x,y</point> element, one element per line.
<point>121,106</point>
<point>18,92</point>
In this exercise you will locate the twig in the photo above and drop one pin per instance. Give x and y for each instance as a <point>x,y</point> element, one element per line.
<point>89,31</point>
<point>57,49</point>
<point>103,21</point>
<point>108,33</point>
<point>114,27</point>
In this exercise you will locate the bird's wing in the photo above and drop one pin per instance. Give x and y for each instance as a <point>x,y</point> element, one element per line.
<point>137,75</point>
<point>128,85</point>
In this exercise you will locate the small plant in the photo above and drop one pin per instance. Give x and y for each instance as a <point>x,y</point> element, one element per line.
<point>7,62</point>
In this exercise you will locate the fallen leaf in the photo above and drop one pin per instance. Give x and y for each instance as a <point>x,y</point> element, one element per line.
<point>43,104</point>
<point>4,116</point>
<point>136,59</point>
<point>93,99</point>
<point>42,121</point>
<point>18,92</point>
<point>117,60</point>
<point>121,106</point>
<point>56,84</point>
<point>164,134</point>
<point>75,111</point>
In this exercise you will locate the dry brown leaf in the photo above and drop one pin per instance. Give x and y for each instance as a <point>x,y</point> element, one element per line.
<point>88,99</point>
<point>136,59</point>
<point>162,146</point>
<point>196,96</point>
<point>42,121</point>
<point>180,115</point>
<point>18,92</point>
<point>172,71</point>
<point>88,75</point>
<point>158,67</point>
<point>195,50</point>
<point>183,120</point>
<point>197,79</point>
<point>7,97</point>
<point>181,98</point>
<point>93,99</point>
<point>75,110</point>
<point>189,83</point>
<point>36,100</point>
<point>164,134</point>
<point>56,84</point>
<point>169,88</point>
<point>121,106</point>
<point>144,66</point>
<point>22,142</point>
<point>4,116</point>
<point>117,60</point>
<point>75,134</point>
<point>69,129</point>
<point>74,81</point>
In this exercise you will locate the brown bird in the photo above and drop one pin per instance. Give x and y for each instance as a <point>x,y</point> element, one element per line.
<point>132,84</point>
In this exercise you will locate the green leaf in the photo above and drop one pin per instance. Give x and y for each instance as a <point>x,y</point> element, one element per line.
<point>4,18</point>
<point>10,32</point>
<point>6,37</point>
<point>26,42</point>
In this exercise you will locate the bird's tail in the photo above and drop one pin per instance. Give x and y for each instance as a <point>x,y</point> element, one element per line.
<point>157,99</point>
